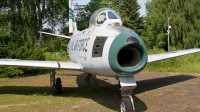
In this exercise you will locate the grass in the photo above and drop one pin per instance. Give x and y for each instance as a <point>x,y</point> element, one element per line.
<point>31,102</point>
<point>79,100</point>
<point>183,64</point>
<point>31,94</point>
<point>3,79</point>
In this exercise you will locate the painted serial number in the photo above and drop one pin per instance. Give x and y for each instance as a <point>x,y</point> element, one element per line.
<point>80,45</point>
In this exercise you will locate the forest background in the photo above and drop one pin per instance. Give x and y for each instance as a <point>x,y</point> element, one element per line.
<point>20,21</point>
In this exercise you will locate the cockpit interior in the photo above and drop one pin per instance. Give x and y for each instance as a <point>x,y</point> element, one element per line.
<point>105,17</point>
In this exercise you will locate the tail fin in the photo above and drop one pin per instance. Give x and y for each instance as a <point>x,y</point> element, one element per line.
<point>72,20</point>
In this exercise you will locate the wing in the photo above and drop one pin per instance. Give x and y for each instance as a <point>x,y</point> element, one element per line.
<point>41,64</point>
<point>162,56</point>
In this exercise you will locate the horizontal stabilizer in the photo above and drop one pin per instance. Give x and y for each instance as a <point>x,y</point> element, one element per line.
<point>63,36</point>
<point>41,64</point>
<point>162,56</point>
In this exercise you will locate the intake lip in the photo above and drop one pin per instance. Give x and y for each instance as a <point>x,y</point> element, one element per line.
<point>127,54</point>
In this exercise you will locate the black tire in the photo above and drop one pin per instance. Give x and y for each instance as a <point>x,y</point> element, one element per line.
<point>58,86</point>
<point>126,105</point>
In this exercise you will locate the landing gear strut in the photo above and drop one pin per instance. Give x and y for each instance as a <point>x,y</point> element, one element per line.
<point>127,85</point>
<point>88,79</point>
<point>56,84</point>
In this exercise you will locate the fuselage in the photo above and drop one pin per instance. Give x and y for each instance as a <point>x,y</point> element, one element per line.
<point>108,49</point>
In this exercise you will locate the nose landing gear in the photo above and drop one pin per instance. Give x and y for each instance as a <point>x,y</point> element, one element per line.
<point>127,85</point>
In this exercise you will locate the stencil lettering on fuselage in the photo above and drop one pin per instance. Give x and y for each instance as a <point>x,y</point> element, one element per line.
<point>79,45</point>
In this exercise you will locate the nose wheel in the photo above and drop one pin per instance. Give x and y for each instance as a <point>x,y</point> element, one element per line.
<point>127,104</point>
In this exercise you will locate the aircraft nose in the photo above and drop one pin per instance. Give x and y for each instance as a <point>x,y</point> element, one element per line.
<point>127,53</point>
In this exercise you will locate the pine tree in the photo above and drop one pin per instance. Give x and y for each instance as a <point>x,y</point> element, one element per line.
<point>129,11</point>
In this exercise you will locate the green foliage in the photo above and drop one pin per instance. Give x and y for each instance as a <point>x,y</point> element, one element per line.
<point>186,64</point>
<point>84,12</point>
<point>184,33</point>
<point>59,56</point>
<point>21,20</point>
<point>184,20</point>
<point>129,11</point>
<point>4,25</point>
<point>82,18</point>
<point>29,16</point>
<point>155,50</point>
<point>9,72</point>
<point>20,53</point>
<point>19,25</point>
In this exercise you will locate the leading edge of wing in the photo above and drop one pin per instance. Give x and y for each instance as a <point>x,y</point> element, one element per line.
<point>41,64</point>
<point>162,56</point>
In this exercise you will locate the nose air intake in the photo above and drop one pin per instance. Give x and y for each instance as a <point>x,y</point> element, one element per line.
<point>127,54</point>
<point>128,57</point>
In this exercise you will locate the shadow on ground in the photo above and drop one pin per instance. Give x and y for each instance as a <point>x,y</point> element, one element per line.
<point>150,84</point>
<point>106,94</point>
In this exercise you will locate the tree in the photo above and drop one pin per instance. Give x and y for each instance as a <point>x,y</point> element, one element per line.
<point>84,12</point>
<point>184,20</point>
<point>52,12</point>
<point>28,17</point>
<point>129,11</point>
<point>23,20</point>
<point>155,27</point>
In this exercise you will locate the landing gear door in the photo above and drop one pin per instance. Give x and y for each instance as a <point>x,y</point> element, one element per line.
<point>127,82</point>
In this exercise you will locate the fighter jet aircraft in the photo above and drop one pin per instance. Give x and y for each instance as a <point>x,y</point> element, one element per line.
<point>105,48</point>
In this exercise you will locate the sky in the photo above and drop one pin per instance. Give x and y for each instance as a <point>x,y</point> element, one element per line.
<point>141,2</point>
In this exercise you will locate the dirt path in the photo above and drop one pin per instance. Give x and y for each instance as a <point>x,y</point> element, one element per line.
<point>156,92</point>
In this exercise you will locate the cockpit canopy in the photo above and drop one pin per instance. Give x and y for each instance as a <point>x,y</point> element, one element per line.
<point>105,17</point>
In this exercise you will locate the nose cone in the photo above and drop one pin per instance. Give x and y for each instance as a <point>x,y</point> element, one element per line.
<point>127,54</point>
